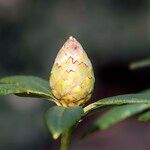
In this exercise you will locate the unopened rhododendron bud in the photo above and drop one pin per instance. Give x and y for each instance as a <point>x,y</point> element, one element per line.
<point>72,77</point>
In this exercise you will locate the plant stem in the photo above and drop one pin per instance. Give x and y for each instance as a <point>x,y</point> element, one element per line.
<point>66,139</point>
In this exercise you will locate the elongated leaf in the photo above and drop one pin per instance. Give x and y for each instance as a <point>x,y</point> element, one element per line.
<point>59,119</point>
<point>145,116</point>
<point>6,89</point>
<point>115,115</point>
<point>118,114</point>
<point>140,64</point>
<point>119,100</point>
<point>25,86</point>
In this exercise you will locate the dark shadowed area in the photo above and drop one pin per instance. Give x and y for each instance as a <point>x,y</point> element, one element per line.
<point>114,33</point>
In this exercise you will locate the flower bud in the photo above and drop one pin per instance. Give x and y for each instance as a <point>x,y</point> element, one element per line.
<point>72,77</point>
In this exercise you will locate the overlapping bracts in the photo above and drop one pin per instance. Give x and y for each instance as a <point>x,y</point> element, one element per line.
<point>72,77</point>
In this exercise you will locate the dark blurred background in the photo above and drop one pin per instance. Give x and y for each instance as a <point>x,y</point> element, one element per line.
<point>114,33</point>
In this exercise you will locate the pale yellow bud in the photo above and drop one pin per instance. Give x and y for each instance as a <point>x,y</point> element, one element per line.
<point>72,77</point>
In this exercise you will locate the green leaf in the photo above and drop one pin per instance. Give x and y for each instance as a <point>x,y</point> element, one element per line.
<point>119,100</point>
<point>6,89</point>
<point>115,115</point>
<point>25,86</point>
<point>59,119</point>
<point>118,114</point>
<point>145,116</point>
<point>140,64</point>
